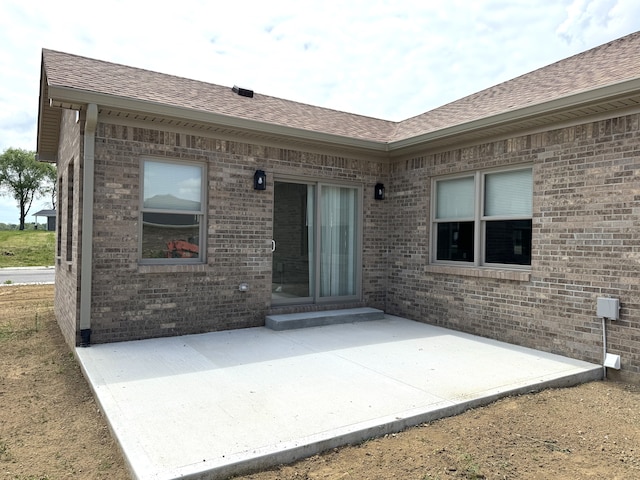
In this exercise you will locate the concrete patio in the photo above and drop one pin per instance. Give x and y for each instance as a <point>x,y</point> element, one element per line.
<point>217,404</point>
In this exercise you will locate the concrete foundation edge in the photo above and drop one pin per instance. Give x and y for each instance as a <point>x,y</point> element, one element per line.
<point>329,441</point>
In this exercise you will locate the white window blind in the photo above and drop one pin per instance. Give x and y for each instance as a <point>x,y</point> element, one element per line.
<point>508,193</point>
<point>455,198</point>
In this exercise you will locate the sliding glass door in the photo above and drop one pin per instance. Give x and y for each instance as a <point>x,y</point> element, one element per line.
<point>316,243</point>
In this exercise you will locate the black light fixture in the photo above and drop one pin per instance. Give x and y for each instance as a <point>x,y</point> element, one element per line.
<point>379,192</point>
<point>259,180</point>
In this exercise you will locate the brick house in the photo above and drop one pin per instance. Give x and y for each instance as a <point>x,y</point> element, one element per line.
<point>188,207</point>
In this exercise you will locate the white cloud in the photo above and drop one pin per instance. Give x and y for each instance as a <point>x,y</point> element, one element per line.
<point>590,22</point>
<point>190,189</point>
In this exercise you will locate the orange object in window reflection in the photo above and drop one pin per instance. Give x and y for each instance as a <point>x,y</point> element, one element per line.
<point>182,249</point>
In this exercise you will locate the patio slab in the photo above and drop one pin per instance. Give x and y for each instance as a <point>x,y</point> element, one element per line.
<point>213,405</point>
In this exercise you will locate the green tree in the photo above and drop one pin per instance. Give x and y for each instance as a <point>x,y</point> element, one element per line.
<point>51,183</point>
<point>24,178</point>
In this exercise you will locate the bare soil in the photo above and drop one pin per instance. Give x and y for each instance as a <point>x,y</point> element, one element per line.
<point>51,428</point>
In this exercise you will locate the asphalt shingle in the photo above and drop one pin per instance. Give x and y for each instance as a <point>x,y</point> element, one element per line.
<point>602,66</point>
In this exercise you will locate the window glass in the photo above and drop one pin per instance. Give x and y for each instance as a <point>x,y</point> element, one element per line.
<point>172,216</point>
<point>455,198</point>
<point>338,241</point>
<point>171,186</point>
<point>508,193</point>
<point>167,235</point>
<point>455,241</point>
<point>70,201</point>
<point>59,219</point>
<point>508,242</point>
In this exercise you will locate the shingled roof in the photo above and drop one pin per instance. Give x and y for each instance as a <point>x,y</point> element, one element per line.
<point>580,78</point>
<point>598,80</point>
<point>81,73</point>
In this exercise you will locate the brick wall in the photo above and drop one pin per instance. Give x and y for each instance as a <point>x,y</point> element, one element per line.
<point>586,244</point>
<point>133,301</point>
<point>586,240</point>
<point>67,255</point>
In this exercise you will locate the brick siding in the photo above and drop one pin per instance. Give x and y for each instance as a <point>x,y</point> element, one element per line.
<point>66,296</point>
<point>586,244</point>
<point>132,301</point>
<point>586,238</point>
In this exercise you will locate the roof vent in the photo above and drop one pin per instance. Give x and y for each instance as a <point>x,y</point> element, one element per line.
<point>243,92</point>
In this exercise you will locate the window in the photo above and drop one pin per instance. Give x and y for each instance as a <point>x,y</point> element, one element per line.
<point>59,218</point>
<point>484,218</point>
<point>70,200</point>
<point>172,213</point>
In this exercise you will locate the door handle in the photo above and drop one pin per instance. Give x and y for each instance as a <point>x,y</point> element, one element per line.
<point>273,246</point>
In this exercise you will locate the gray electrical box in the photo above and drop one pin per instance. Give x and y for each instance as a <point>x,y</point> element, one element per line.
<point>608,308</point>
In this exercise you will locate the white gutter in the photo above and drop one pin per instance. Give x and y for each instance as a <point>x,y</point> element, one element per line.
<point>87,224</point>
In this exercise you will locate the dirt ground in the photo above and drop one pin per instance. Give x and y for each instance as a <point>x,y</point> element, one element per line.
<point>51,428</point>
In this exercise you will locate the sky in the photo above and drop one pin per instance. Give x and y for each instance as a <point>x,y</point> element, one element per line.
<point>390,59</point>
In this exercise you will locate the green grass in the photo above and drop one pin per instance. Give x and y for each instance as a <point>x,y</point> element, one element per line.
<point>26,248</point>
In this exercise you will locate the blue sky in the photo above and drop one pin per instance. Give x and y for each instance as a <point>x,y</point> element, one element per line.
<point>391,59</point>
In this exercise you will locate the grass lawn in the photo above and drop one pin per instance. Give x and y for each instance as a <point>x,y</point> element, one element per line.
<point>26,248</point>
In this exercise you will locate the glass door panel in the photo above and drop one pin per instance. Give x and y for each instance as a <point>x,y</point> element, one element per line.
<point>338,241</point>
<point>315,243</point>
<point>293,273</point>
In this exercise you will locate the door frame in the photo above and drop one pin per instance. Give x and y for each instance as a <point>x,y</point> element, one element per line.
<point>318,183</point>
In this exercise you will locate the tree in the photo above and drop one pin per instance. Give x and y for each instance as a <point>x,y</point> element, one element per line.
<point>24,178</point>
<point>51,184</point>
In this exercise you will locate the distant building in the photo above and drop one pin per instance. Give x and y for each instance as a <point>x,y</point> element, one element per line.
<point>51,219</point>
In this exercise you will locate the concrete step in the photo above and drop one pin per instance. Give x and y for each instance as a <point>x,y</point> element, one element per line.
<point>290,321</point>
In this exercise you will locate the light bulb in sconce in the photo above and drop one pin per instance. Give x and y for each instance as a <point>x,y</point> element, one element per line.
<point>260,180</point>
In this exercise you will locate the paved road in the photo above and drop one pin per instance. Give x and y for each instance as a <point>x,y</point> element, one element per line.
<point>27,275</point>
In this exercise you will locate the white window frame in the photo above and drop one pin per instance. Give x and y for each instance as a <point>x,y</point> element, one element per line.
<point>201,213</point>
<point>479,219</point>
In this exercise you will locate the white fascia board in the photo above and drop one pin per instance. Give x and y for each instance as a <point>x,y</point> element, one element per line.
<point>83,97</point>
<point>590,97</point>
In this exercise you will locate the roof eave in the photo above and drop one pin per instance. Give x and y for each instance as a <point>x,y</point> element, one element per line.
<point>77,99</point>
<point>48,134</point>
<point>517,116</point>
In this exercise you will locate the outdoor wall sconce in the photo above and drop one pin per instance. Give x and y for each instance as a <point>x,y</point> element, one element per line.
<point>379,192</point>
<point>260,180</point>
